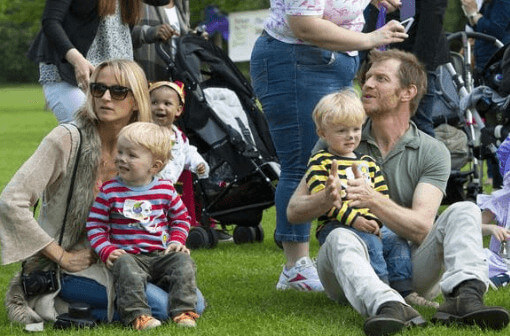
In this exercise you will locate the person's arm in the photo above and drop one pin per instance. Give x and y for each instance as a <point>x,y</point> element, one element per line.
<point>98,227</point>
<point>21,235</point>
<point>195,162</point>
<point>410,223</point>
<point>304,207</point>
<point>54,15</point>
<point>328,35</point>
<point>178,218</point>
<point>495,26</point>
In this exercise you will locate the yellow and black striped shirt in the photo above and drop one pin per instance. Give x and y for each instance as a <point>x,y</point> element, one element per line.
<point>317,173</point>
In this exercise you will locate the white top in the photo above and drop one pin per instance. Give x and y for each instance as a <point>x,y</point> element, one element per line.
<point>347,14</point>
<point>184,156</point>
<point>171,13</point>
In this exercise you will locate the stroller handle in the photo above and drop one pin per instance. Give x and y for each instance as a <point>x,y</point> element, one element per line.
<point>165,56</point>
<point>480,36</point>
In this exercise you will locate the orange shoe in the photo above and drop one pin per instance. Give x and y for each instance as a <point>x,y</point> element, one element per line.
<point>143,322</point>
<point>186,319</point>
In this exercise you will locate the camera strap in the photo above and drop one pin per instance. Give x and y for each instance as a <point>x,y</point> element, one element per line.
<point>69,195</point>
<point>71,186</point>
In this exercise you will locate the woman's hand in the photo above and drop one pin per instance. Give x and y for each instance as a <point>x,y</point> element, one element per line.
<point>500,233</point>
<point>82,68</point>
<point>177,247</point>
<point>75,261</point>
<point>391,5</point>
<point>165,32</point>
<point>392,32</point>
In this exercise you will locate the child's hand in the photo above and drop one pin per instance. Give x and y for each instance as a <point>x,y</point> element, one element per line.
<point>366,225</point>
<point>201,169</point>
<point>114,256</point>
<point>499,232</point>
<point>177,247</point>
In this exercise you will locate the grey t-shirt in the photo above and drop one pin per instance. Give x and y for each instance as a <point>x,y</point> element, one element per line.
<point>416,158</point>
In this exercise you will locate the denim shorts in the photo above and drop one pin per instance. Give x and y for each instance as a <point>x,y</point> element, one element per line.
<point>289,80</point>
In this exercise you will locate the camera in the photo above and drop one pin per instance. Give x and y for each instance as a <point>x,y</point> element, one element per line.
<point>79,316</point>
<point>39,282</point>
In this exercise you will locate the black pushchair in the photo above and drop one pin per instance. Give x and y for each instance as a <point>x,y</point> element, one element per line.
<point>224,122</point>
<point>460,125</point>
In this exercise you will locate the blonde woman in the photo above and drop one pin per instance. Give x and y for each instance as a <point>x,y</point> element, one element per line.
<point>117,96</point>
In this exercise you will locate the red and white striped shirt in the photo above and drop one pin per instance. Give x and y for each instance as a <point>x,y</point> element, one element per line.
<point>136,219</point>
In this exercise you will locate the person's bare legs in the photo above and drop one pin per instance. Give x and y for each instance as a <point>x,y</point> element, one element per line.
<point>294,251</point>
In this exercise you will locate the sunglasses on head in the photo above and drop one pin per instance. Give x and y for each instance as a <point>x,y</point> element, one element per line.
<point>117,92</point>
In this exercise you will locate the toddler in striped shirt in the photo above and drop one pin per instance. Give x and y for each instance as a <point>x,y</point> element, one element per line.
<point>138,226</point>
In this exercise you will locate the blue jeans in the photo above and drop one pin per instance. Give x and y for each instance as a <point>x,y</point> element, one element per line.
<point>85,290</point>
<point>63,99</point>
<point>289,80</point>
<point>423,116</point>
<point>390,256</point>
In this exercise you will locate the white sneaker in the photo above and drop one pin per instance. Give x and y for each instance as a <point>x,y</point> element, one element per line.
<point>303,277</point>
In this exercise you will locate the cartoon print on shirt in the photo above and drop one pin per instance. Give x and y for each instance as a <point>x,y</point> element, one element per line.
<point>139,210</point>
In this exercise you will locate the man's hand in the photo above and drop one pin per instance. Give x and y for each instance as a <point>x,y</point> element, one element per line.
<point>359,191</point>
<point>366,225</point>
<point>333,187</point>
<point>75,261</point>
<point>177,247</point>
<point>114,256</point>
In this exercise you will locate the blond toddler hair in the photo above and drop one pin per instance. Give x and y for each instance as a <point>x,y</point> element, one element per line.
<point>339,108</point>
<point>154,138</point>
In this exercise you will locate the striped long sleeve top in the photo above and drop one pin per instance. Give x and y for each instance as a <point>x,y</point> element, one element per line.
<point>136,219</point>
<point>319,166</point>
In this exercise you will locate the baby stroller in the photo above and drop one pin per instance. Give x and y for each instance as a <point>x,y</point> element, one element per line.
<point>459,124</point>
<point>475,100</point>
<point>229,130</point>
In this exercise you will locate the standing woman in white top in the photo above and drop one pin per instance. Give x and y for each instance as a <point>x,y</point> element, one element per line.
<point>307,50</point>
<point>163,24</point>
<point>76,36</point>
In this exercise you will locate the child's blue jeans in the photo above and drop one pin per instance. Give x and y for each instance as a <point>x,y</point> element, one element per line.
<point>390,255</point>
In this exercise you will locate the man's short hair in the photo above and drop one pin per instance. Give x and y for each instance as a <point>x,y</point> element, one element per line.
<point>156,139</point>
<point>342,107</point>
<point>411,72</point>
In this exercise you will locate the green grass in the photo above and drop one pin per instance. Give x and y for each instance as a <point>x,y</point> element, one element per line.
<point>238,281</point>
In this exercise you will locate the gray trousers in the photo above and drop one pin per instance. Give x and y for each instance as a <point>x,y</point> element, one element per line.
<point>451,253</point>
<point>174,272</point>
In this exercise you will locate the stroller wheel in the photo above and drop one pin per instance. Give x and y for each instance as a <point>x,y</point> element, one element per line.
<point>197,238</point>
<point>277,242</point>
<point>259,233</point>
<point>213,237</point>
<point>244,234</point>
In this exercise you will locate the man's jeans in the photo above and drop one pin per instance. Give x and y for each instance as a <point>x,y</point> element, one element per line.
<point>390,255</point>
<point>454,245</point>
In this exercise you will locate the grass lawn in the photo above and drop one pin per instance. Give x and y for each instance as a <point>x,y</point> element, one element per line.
<point>238,281</point>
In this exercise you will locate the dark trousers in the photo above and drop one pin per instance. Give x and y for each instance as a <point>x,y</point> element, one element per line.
<point>174,272</point>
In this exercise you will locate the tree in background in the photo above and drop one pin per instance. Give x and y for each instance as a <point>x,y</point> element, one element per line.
<point>19,22</point>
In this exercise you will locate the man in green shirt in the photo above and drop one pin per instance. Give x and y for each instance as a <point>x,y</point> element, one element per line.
<point>416,168</point>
